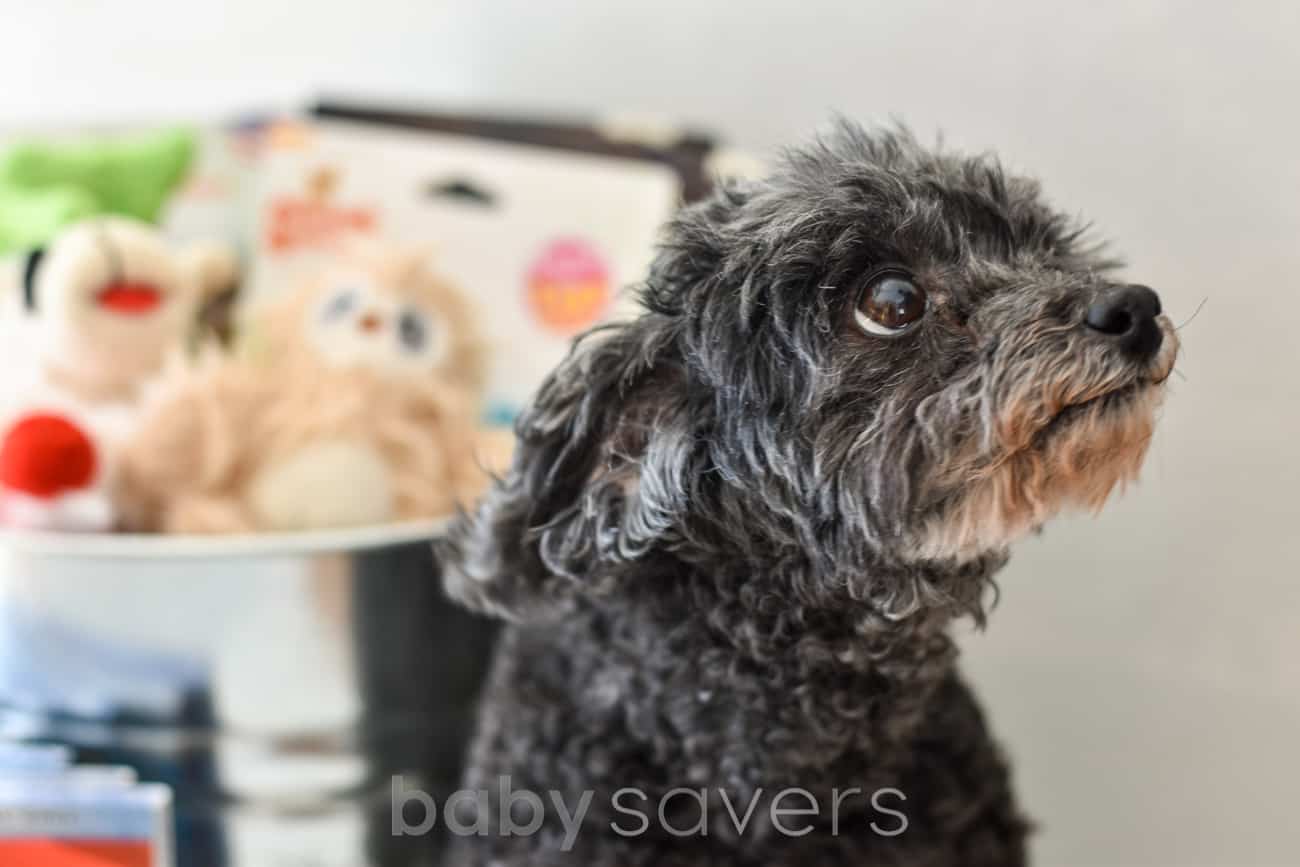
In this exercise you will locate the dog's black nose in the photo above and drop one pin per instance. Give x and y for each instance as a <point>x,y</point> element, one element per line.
<point>1128,315</point>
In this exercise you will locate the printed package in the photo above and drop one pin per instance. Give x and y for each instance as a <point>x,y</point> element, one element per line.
<point>55,814</point>
<point>33,758</point>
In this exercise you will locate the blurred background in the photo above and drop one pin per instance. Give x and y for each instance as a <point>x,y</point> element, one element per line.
<point>1143,667</point>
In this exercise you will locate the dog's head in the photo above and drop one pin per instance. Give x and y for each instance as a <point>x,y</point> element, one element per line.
<point>880,357</point>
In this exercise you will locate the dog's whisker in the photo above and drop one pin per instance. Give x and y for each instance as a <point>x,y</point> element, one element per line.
<point>1195,313</point>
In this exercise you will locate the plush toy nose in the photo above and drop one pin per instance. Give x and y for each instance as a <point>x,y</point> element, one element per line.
<point>371,322</point>
<point>1127,315</point>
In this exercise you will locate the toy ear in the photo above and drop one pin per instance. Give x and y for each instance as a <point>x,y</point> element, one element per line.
<point>212,266</point>
<point>31,264</point>
<point>599,476</point>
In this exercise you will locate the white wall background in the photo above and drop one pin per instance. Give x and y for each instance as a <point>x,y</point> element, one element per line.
<point>1143,667</point>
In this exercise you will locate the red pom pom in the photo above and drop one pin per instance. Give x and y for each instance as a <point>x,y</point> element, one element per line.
<point>45,455</point>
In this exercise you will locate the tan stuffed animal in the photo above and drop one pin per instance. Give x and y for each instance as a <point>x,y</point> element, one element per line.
<point>355,403</point>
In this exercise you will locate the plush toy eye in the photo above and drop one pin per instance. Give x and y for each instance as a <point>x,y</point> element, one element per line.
<point>339,305</point>
<point>890,304</point>
<point>412,331</point>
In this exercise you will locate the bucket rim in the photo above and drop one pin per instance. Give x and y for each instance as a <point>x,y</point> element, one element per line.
<point>140,546</point>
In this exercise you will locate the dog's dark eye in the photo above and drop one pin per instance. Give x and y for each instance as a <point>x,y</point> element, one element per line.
<point>890,304</point>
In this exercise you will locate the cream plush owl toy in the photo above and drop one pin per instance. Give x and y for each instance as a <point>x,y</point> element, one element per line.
<point>354,401</point>
<point>103,309</point>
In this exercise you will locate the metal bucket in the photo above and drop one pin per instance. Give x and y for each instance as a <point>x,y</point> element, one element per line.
<point>278,683</point>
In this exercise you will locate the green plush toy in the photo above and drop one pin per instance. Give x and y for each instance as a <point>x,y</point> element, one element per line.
<point>44,186</point>
<point>28,218</point>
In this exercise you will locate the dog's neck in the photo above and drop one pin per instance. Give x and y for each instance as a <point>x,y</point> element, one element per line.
<point>892,604</point>
<point>863,656</point>
<point>887,597</point>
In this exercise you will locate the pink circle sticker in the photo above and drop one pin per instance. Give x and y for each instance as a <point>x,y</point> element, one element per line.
<point>568,286</point>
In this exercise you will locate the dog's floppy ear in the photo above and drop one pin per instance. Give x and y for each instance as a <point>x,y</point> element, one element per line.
<point>598,477</point>
<point>609,456</point>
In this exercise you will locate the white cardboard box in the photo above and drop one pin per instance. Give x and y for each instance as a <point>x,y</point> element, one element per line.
<point>545,241</point>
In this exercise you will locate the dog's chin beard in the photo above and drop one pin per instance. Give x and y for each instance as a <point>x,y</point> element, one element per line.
<point>1076,459</point>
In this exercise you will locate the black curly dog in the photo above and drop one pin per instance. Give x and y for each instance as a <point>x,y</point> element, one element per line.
<point>738,528</point>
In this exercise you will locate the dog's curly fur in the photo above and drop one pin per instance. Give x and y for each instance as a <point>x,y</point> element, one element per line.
<point>738,528</point>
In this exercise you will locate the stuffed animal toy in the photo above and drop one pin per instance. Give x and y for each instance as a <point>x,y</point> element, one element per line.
<point>104,308</point>
<point>47,186</point>
<point>353,402</point>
